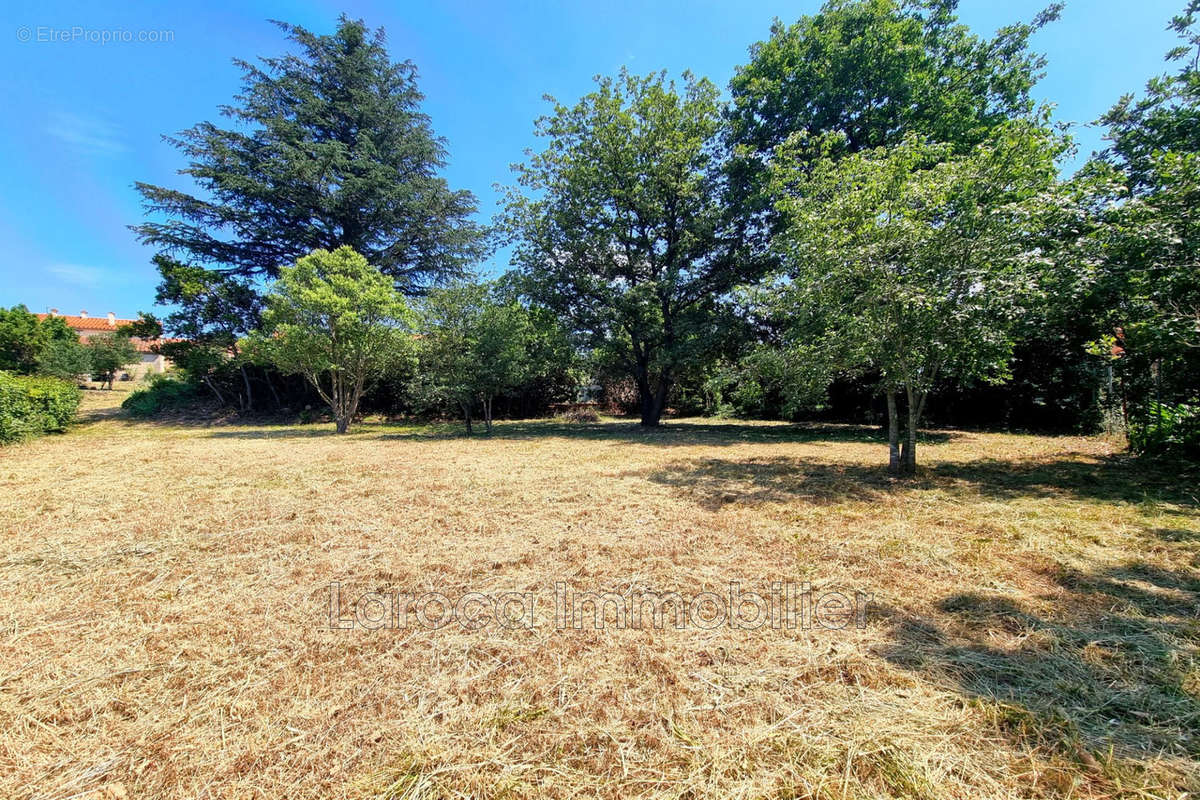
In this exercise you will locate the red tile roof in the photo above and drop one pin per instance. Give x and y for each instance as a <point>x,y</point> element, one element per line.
<point>90,324</point>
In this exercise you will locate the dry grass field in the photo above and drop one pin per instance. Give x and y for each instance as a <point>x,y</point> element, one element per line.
<point>165,628</point>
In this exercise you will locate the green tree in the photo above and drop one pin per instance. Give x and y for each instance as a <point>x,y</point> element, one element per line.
<point>21,338</point>
<point>339,322</point>
<point>874,71</point>
<point>65,359</point>
<point>911,262</point>
<point>47,347</point>
<point>474,347</point>
<point>1165,119</point>
<point>213,312</point>
<point>329,148</point>
<point>622,230</point>
<point>108,353</point>
<point>1139,269</point>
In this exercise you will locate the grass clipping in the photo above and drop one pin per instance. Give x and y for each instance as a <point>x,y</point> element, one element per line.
<point>165,631</point>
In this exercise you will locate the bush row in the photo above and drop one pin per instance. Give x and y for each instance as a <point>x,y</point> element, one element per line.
<point>31,406</point>
<point>165,393</point>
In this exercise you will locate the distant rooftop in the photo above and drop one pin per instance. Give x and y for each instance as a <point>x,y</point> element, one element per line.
<point>85,322</point>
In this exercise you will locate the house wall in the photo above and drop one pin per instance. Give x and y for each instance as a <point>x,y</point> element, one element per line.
<point>150,363</point>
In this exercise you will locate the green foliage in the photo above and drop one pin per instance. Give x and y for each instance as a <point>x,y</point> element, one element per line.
<point>108,353</point>
<point>146,327</point>
<point>474,346</point>
<point>1167,428</point>
<point>31,406</point>
<point>46,347</point>
<point>912,262</point>
<point>21,338</point>
<point>213,311</point>
<point>339,322</point>
<point>329,148</point>
<point>1166,119</point>
<point>55,329</point>
<point>874,72</point>
<point>1135,264</point>
<point>763,384</point>
<point>622,231</point>
<point>878,71</point>
<point>65,359</point>
<point>164,393</point>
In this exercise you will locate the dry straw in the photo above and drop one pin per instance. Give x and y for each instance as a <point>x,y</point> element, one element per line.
<point>164,632</point>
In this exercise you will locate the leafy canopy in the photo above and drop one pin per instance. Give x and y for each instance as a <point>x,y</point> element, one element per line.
<point>474,346</point>
<point>621,229</point>
<point>910,261</point>
<point>339,322</point>
<point>877,71</point>
<point>48,346</point>
<point>108,353</point>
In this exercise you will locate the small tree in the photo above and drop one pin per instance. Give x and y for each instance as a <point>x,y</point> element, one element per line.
<point>20,339</point>
<point>60,354</point>
<point>109,353</point>
<point>213,312</point>
<point>65,359</point>
<point>473,347</point>
<point>339,322</point>
<point>911,263</point>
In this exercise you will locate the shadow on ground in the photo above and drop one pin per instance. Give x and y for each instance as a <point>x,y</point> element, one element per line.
<point>714,434</point>
<point>714,482</point>
<point>1108,679</point>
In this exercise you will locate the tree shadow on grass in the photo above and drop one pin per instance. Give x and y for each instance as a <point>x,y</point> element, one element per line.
<point>1118,478</point>
<point>288,432</point>
<point>1108,679</point>
<point>686,433</point>
<point>672,434</point>
<point>714,482</point>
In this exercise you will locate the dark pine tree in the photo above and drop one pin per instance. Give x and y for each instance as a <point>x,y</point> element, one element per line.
<point>328,147</point>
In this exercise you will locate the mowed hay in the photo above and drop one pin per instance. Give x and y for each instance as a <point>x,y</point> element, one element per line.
<point>166,627</point>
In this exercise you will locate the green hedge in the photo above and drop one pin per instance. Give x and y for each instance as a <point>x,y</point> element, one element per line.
<point>32,406</point>
<point>1167,428</point>
<point>164,393</point>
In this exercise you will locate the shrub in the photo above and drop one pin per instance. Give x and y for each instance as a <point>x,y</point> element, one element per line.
<point>65,359</point>
<point>579,415</point>
<point>33,406</point>
<point>1167,428</point>
<point>164,393</point>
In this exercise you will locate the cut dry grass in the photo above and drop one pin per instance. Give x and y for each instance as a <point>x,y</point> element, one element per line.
<point>165,630</point>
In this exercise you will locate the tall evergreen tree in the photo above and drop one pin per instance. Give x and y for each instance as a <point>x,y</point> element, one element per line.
<point>329,147</point>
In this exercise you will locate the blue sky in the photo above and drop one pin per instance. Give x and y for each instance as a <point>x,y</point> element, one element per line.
<point>83,118</point>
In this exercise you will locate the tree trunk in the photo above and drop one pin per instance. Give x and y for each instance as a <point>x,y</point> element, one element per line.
<point>893,434</point>
<point>466,407</point>
<point>249,392</point>
<point>908,453</point>
<point>215,390</point>
<point>271,386</point>
<point>342,424</point>
<point>653,401</point>
<point>487,413</point>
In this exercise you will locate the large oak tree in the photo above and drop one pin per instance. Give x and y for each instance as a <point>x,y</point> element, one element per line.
<point>873,72</point>
<point>622,229</point>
